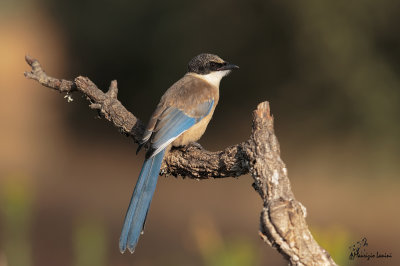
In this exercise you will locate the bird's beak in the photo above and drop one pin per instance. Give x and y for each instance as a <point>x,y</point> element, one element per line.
<point>228,66</point>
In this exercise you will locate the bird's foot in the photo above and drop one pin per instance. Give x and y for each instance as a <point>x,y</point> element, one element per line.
<point>197,145</point>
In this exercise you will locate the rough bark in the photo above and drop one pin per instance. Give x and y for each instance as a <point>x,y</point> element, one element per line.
<point>282,222</point>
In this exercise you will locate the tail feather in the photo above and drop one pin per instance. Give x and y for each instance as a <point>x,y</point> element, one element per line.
<point>140,202</point>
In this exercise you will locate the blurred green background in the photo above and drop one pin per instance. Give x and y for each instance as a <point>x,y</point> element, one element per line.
<point>330,69</point>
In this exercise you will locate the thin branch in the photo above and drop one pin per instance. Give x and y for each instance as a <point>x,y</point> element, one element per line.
<point>178,162</point>
<point>283,224</point>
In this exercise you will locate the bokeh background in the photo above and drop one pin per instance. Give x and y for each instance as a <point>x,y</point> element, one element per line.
<point>330,69</point>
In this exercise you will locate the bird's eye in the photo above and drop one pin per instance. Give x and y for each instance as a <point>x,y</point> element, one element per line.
<point>214,65</point>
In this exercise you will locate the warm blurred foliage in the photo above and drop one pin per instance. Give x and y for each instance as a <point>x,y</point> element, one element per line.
<point>330,69</point>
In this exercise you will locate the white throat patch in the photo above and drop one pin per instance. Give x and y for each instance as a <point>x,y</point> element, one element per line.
<point>214,78</point>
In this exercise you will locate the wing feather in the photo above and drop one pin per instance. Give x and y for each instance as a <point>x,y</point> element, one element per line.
<point>172,123</point>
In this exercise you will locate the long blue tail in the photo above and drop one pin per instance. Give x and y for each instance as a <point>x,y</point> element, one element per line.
<point>140,202</point>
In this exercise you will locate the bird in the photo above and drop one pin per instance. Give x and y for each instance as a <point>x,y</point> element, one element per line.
<point>181,117</point>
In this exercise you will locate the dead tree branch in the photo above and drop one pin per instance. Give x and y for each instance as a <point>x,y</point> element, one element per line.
<point>283,224</point>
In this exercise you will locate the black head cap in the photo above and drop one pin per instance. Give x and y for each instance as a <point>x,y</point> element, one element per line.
<point>206,63</point>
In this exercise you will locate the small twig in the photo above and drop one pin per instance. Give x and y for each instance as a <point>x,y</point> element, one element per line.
<point>39,75</point>
<point>283,224</point>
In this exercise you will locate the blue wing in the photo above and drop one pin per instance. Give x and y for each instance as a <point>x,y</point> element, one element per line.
<point>171,124</point>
